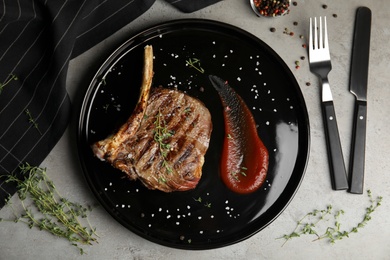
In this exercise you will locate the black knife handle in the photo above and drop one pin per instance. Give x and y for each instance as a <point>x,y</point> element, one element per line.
<point>356,167</point>
<point>335,155</point>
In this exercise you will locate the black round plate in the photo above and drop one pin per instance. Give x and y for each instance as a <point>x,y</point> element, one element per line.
<point>209,216</point>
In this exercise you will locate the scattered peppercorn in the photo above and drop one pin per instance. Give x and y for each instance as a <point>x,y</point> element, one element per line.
<point>272,29</point>
<point>295,23</point>
<point>302,57</point>
<point>335,15</point>
<point>297,67</point>
<point>324,6</point>
<point>295,3</point>
<point>304,45</point>
<point>291,33</point>
<point>297,63</point>
<point>308,83</point>
<point>301,36</point>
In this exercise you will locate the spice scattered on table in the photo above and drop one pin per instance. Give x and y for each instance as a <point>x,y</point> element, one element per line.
<point>297,64</point>
<point>272,8</point>
<point>324,6</point>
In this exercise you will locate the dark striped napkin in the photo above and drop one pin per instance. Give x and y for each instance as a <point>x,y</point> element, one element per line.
<point>37,40</point>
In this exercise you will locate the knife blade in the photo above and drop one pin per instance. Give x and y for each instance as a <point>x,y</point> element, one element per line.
<point>358,87</point>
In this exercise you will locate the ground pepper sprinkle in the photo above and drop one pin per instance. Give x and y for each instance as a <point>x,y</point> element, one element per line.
<point>272,7</point>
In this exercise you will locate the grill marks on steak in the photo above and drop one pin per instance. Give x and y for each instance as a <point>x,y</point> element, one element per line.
<point>189,123</point>
<point>173,163</point>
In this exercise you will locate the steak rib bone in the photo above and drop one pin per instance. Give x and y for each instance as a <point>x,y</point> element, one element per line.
<point>104,149</point>
<point>165,139</point>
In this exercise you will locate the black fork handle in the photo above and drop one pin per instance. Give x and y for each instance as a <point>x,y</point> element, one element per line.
<point>338,172</point>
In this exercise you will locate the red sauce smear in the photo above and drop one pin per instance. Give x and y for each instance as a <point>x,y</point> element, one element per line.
<point>244,161</point>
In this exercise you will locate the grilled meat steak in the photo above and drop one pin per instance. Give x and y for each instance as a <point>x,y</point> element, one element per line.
<point>164,141</point>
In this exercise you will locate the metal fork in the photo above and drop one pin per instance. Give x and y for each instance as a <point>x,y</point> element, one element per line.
<point>320,64</point>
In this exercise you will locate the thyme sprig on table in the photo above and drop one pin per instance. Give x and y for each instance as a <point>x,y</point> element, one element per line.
<point>10,78</point>
<point>308,224</point>
<point>44,208</point>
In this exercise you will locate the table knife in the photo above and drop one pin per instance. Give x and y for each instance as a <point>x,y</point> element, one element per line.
<point>358,87</point>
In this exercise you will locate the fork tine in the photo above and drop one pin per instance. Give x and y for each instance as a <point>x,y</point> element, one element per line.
<point>315,34</point>
<point>311,35</point>
<point>326,44</point>
<point>321,42</point>
<point>318,36</point>
<point>316,46</point>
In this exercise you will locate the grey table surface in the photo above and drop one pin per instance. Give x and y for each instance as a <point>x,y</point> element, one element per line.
<point>371,242</point>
